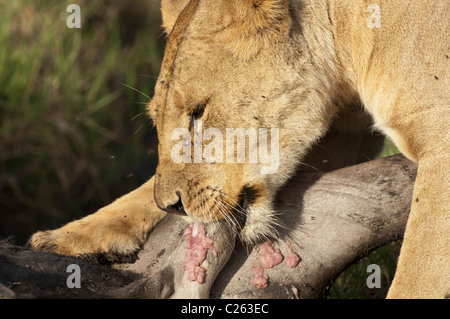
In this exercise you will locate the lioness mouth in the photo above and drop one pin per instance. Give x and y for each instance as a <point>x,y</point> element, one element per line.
<point>178,208</point>
<point>247,197</point>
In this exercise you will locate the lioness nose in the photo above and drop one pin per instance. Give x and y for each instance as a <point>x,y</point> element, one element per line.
<point>177,208</point>
<point>166,192</point>
<point>171,204</point>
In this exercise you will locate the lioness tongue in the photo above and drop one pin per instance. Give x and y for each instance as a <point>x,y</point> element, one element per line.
<point>196,228</point>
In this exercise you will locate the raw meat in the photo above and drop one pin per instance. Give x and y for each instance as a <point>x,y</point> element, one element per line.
<point>197,246</point>
<point>269,256</point>
<point>292,258</point>
<point>260,279</point>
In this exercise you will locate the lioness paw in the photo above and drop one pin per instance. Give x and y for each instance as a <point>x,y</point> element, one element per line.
<point>92,246</point>
<point>42,241</point>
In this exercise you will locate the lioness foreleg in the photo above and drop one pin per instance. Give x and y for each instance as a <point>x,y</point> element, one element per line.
<point>423,269</point>
<point>114,233</point>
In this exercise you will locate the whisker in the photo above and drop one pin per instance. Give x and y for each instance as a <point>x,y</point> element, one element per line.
<point>228,216</point>
<point>130,87</point>
<point>201,202</point>
<point>225,205</point>
<point>229,197</point>
<point>136,116</point>
<point>138,129</point>
<point>310,166</point>
<point>236,210</point>
<point>222,211</point>
<point>228,222</point>
<point>148,76</point>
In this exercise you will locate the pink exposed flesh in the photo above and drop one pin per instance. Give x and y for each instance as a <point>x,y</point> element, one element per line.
<point>292,258</point>
<point>269,256</point>
<point>197,246</point>
<point>260,279</point>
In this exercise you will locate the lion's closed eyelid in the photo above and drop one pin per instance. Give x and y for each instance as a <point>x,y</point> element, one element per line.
<point>197,111</point>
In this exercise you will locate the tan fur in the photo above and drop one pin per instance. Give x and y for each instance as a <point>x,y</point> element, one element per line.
<point>114,232</point>
<point>296,65</point>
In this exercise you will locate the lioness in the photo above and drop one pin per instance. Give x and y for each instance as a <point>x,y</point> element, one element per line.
<point>292,65</point>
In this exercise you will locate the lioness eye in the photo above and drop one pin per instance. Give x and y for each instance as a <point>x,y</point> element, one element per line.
<point>196,113</point>
<point>198,110</point>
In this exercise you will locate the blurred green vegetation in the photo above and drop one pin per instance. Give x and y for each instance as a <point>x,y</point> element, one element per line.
<point>351,284</point>
<point>74,134</point>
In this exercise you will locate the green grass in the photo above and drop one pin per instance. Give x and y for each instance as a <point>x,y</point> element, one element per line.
<point>351,284</point>
<point>73,134</point>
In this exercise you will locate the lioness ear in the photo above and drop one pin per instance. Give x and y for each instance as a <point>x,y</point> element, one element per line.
<point>170,10</point>
<point>257,24</point>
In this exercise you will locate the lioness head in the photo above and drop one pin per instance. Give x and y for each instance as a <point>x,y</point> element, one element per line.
<point>232,65</point>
